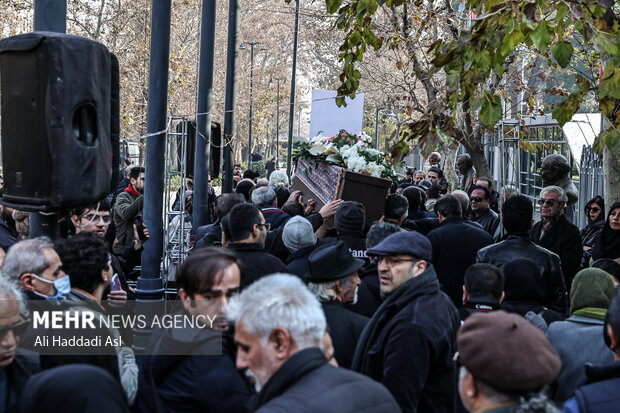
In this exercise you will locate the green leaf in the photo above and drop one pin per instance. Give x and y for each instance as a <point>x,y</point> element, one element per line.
<point>542,36</point>
<point>561,13</point>
<point>491,110</point>
<point>510,41</point>
<point>565,110</point>
<point>610,138</point>
<point>562,52</point>
<point>333,5</point>
<point>484,60</point>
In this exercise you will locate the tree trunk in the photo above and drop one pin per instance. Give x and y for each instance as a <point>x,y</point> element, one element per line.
<point>611,170</point>
<point>475,149</point>
<point>450,150</point>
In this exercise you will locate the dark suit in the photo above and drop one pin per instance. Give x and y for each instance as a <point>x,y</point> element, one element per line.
<point>564,239</point>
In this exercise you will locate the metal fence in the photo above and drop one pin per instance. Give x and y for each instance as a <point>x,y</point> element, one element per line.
<point>515,152</point>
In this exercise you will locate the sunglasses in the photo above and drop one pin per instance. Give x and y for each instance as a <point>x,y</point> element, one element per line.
<point>548,202</point>
<point>17,328</point>
<point>477,199</point>
<point>593,209</point>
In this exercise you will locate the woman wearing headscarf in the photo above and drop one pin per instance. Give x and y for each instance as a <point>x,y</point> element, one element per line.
<point>595,213</point>
<point>579,339</point>
<point>607,244</point>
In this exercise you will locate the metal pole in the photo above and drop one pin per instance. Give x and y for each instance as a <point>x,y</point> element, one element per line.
<point>230,101</point>
<point>150,283</point>
<point>377,128</point>
<point>278,124</point>
<point>49,16</point>
<point>200,214</point>
<point>252,44</point>
<point>291,119</point>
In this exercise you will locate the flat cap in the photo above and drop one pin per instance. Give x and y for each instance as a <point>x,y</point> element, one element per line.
<point>506,352</point>
<point>407,243</point>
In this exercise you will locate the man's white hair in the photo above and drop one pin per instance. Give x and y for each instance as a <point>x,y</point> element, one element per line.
<point>463,199</point>
<point>278,178</point>
<point>9,291</point>
<point>280,300</point>
<point>558,190</point>
<point>263,197</point>
<point>26,256</point>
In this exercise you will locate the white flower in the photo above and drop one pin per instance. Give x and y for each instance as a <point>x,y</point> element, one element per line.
<point>317,150</point>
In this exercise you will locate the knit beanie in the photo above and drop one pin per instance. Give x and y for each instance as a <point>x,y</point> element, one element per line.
<point>298,233</point>
<point>592,287</point>
<point>350,218</point>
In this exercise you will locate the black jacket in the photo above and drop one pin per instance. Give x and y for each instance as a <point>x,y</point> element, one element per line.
<point>191,382</point>
<point>17,374</point>
<point>345,328</point>
<point>455,245</point>
<point>478,305</point>
<point>514,247</point>
<point>562,238</point>
<point>257,262</point>
<point>600,393</point>
<point>207,235</point>
<point>306,383</point>
<point>409,343</point>
<point>489,221</point>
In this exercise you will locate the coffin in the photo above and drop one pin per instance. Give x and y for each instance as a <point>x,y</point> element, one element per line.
<point>324,183</point>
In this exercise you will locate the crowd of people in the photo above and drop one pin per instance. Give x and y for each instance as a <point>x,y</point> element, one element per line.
<point>455,300</point>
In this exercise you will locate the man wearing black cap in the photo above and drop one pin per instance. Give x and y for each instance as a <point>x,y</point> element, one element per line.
<point>349,221</point>
<point>505,362</point>
<point>333,280</point>
<point>410,340</point>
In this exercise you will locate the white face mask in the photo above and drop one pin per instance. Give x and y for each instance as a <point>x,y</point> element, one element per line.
<point>62,286</point>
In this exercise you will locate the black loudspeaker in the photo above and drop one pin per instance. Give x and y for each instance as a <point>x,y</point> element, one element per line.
<point>60,121</point>
<point>216,153</point>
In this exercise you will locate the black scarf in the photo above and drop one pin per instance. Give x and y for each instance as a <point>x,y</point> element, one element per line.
<point>607,244</point>
<point>293,369</point>
<point>390,307</point>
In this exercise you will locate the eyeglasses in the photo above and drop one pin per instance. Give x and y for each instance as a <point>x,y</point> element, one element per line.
<point>266,225</point>
<point>548,202</point>
<point>593,209</point>
<point>477,199</point>
<point>17,328</point>
<point>95,218</point>
<point>392,261</point>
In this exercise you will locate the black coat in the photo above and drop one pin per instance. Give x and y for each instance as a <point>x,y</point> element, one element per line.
<point>17,374</point>
<point>562,238</point>
<point>489,221</point>
<point>409,343</point>
<point>548,263</point>
<point>190,382</point>
<point>257,262</point>
<point>306,383</point>
<point>207,235</point>
<point>455,245</point>
<point>345,328</point>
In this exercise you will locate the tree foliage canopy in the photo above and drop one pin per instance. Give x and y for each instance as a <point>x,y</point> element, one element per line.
<point>479,50</point>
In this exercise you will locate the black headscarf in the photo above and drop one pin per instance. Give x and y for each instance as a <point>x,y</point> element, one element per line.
<point>607,243</point>
<point>73,388</point>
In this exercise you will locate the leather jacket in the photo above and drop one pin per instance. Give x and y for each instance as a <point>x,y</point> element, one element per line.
<point>549,264</point>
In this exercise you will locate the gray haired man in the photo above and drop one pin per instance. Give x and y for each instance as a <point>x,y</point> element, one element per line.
<point>555,233</point>
<point>333,281</point>
<point>279,333</point>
